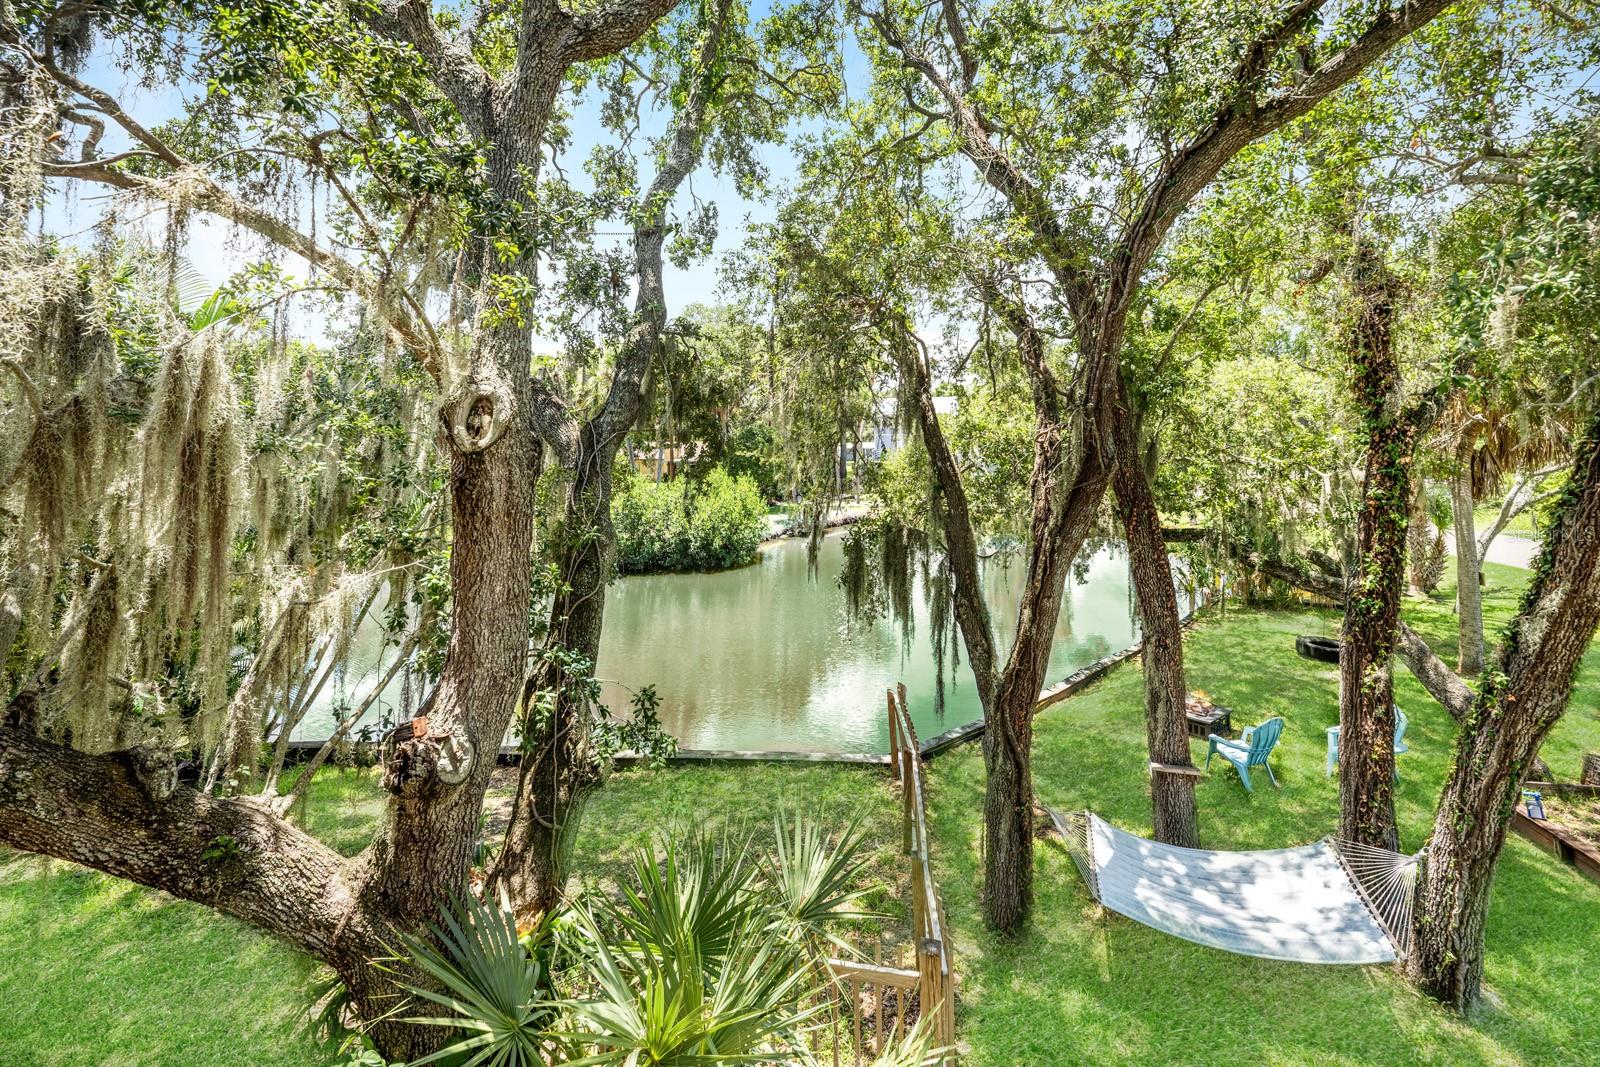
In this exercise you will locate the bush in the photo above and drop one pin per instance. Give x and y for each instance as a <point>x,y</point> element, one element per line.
<point>711,523</point>
<point>749,452</point>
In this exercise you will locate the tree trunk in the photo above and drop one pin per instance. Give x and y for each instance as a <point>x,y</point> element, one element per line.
<point>1417,539</point>
<point>1469,570</point>
<point>1521,700</point>
<point>558,769</point>
<point>1007,825</point>
<point>1372,608</point>
<point>1064,500</point>
<point>1590,774</point>
<point>1177,822</point>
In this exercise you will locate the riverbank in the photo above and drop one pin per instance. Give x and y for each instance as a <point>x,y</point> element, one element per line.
<point>783,525</point>
<point>95,971</point>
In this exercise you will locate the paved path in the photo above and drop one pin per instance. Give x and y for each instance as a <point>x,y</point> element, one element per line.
<point>1512,551</point>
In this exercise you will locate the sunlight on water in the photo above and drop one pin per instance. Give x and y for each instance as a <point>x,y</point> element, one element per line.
<point>763,657</point>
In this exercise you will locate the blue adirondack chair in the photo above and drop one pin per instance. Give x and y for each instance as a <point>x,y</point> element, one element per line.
<point>1400,723</point>
<point>1251,750</point>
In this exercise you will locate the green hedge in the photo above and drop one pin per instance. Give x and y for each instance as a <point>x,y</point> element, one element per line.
<point>703,524</point>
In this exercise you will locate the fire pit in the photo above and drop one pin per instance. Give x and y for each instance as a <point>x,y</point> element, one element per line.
<point>1207,718</point>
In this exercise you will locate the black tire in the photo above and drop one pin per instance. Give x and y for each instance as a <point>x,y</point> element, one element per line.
<point>1325,649</point>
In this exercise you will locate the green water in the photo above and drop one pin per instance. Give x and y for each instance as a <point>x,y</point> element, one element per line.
<point>763,658</point>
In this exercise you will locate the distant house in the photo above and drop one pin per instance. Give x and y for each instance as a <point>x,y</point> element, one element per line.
<point>653,459</point>
<point>884,436</point>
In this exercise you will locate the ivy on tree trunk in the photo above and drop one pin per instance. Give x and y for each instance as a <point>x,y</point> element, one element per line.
<point>1522,695</point>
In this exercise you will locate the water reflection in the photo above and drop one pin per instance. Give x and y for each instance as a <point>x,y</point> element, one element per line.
<point>764,658</point>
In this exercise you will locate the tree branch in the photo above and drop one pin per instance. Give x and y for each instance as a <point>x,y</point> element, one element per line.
<point>623,398</point>
<point>598,34</point>
<point>124,813</point>
<point>973,132</point>
<point>1516,502</point>
<point>458,76</point>
<point>1240,120</point>
<point>194,188</point>
<point>29,390</point>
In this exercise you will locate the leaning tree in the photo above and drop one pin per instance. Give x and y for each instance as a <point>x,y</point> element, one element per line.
<point>1043,109</point>
<point>424,116</point>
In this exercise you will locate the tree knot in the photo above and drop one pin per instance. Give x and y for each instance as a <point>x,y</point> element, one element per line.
<point>419,762</point>
<point>477,416</point>
<point>154,771</point>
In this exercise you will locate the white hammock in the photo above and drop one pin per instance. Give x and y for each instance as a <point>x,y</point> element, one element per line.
<point>1331,902</point>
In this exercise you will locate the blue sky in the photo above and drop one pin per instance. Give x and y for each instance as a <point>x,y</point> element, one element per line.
<point>218,250</point>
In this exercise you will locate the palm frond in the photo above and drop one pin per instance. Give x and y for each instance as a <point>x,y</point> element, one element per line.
<point>487,982</point>
<point>817,881</point>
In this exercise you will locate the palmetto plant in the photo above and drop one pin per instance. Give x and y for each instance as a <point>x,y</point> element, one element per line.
<point>494,989</point>
<point>914,1048</point>
<point>682,1007</point>
<point>708,955</point>
<point>816,883</point>
<point>697,969</point>
<point>697,896</point>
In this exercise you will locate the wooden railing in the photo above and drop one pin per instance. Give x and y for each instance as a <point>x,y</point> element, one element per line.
<point>889,989</point>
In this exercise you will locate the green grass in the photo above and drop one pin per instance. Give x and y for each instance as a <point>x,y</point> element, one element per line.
<point>1520,525</point>
<point>94,971</point>
<point>1084,986</point>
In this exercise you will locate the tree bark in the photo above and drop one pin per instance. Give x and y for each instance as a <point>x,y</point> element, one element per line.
<point>559,769</point>
<point>1521,699</point>
<point>1372,607</point>
<point>1099,301</point>
<point>1417,539</point>
<point>1591,769</point>
<point>1469,571</point>
<point>52,801</point>
<point>1176,820</point>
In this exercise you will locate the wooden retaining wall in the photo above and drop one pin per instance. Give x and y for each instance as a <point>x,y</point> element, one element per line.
<point>1555,838</point>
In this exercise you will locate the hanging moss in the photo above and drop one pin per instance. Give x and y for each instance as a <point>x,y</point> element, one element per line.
<point>942,626</point>
<point>89,664</point>
<point>129,462</point>
<point>855,578</point>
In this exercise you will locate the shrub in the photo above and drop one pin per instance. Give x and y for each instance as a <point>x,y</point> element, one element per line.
<point>713,952</point>
<point>710,523</point>
<point>749,452</point>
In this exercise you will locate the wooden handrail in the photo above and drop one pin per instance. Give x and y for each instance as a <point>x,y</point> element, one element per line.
<point>935,977</point>
<point>877,974</point>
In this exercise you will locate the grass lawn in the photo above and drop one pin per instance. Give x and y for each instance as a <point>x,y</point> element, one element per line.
<point>1521,525</point>
<point>1083,986</point>
<point>93,971</point>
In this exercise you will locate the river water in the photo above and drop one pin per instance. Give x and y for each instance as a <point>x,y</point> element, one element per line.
<point>763,658</point>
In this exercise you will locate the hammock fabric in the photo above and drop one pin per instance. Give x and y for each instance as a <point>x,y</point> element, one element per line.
<point>1331,902</point>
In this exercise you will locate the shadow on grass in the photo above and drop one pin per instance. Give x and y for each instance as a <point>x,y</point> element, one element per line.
<point>1081,985</point>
